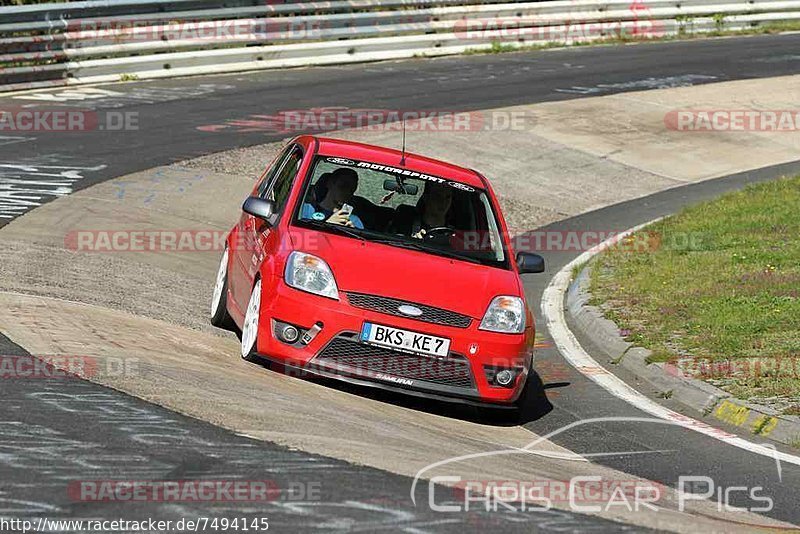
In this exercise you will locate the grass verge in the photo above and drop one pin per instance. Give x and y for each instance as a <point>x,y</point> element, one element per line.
<point>716,288</point>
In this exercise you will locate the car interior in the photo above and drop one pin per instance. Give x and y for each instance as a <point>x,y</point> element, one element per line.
<point>461,215</point>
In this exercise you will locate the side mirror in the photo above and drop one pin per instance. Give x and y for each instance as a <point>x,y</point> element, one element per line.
<point>259,207</point>
<point>528,262</point>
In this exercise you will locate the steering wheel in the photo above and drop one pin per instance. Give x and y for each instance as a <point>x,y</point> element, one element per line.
<point>439,233</point>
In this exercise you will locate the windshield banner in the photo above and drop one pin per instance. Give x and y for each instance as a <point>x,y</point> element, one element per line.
<point>399,171</point>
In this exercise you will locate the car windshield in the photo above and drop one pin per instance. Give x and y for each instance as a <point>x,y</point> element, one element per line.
<point>402,208</point>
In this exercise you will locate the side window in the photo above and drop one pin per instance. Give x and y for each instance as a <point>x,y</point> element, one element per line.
<point>284,178</point>
<point>270,174</point>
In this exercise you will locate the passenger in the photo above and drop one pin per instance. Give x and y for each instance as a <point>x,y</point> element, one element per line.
<point>333,192</point>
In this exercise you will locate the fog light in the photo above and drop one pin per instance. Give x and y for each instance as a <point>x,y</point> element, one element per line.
<point>504,377</point>
<point>289,333</point>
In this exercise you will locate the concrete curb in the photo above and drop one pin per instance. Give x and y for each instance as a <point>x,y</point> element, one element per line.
<point>667,379</point>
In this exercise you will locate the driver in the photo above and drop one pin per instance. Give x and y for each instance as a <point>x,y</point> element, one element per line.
<point>332,207</point>
<point>433,206</point>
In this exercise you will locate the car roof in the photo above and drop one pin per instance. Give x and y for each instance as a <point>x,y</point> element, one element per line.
<point>390,156</point>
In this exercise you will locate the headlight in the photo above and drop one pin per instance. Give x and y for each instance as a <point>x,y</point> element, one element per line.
<point>506,315</point>
<point>310,273</point>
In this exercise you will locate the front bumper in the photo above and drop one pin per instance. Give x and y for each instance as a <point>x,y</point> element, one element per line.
<point>337,352</point>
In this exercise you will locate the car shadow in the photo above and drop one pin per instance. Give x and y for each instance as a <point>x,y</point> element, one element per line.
<point>533,405</point>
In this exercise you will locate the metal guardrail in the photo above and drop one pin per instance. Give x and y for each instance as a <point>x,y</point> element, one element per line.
<point>108,40</point>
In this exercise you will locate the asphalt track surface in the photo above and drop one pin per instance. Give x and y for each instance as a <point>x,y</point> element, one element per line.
<point>170,112</point>
<point>56,430</point>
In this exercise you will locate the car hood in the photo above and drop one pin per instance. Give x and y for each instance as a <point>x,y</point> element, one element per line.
<point>378,269</point>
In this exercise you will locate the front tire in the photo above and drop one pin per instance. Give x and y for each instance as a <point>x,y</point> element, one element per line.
<point>250,325</point>
<point>219,299</point>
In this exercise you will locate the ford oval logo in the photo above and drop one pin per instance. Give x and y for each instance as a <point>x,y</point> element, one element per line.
<point>342,161</point>
<point>413,311</point>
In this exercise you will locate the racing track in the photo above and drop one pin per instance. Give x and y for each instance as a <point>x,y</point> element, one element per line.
<point>169,133</point>
<point>170,111</point>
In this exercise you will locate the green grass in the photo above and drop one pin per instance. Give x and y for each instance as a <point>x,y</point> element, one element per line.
<point>723,285</point>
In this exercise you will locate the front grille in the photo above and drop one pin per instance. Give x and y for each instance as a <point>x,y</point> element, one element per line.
<point>453,371</point>
<point>389,306</point>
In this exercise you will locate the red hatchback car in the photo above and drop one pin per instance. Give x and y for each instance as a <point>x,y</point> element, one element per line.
<point>380,268</point>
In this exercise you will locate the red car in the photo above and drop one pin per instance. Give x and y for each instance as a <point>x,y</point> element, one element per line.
<point>381,268</point>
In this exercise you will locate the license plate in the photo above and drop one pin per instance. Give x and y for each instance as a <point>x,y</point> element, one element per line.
<point>396,338</point>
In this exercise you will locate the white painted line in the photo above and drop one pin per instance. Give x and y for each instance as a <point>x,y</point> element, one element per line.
<point>574,353</point>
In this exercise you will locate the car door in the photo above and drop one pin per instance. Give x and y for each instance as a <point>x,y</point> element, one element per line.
<point>257,238</point>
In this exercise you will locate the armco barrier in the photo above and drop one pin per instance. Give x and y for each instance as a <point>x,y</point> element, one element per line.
<point>98,41</point>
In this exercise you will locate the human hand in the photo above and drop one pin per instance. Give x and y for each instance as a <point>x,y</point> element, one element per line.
<point>341,217</point>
